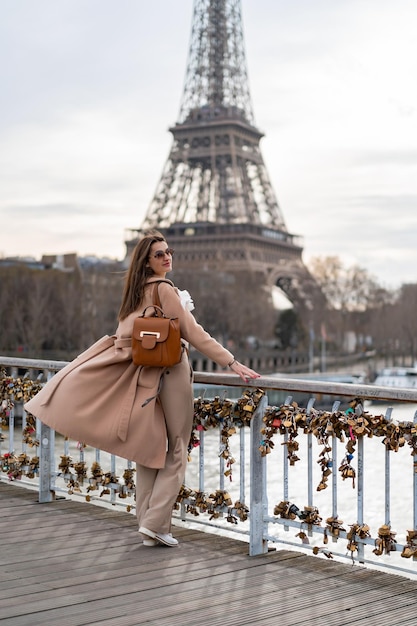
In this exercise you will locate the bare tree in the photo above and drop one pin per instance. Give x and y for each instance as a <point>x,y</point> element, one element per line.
<point>46,312</point>
<point>351,293</point>
<point>406,322</point>
<point>230,305</point>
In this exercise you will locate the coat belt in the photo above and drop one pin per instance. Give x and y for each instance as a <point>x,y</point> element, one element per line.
<point>127,406</point>
<point>123,342</point>
<point>125,411</point>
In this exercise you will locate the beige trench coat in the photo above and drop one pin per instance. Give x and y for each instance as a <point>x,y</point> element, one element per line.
<point>104,400</point>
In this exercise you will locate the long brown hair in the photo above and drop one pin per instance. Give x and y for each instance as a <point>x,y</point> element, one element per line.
<point>138,273</point>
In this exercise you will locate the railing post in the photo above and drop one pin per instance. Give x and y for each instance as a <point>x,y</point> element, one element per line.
<point>335,408</point>
<point>258,493</point>
<point>242,460</point>
<point>201,460</point>
<point>388,476</point>
<point>46,493</point>
<point>360,496</point>
<point>46,461</point>
<point>415,488</point>
<point>285,477</point>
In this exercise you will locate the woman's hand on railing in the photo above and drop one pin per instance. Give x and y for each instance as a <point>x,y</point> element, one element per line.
<point>244,372</point>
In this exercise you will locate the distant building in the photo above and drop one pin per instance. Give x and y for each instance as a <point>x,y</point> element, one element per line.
<point>16,261</point>
<point>63,262</point>
<point>70,262</point>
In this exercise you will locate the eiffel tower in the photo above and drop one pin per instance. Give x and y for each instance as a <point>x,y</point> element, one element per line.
<point>214,201</point>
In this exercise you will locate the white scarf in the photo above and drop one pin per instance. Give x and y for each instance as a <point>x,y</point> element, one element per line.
<point>186,300</point>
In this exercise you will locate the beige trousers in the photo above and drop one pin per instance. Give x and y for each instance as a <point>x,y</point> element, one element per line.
<point>157,489</point>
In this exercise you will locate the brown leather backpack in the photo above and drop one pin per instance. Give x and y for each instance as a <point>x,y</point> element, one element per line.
<point>156,339</point>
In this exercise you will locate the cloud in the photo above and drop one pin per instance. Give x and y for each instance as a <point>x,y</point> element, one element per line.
<point>393,157</point>
<point>90,88</point>
<point>375,232</point>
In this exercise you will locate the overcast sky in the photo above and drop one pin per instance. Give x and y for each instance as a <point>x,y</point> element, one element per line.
<point>88,89</point>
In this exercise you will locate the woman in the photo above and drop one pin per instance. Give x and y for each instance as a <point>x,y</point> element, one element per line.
<point>143,414</point>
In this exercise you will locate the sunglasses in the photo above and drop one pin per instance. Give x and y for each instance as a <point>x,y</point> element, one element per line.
<point>161,253</point>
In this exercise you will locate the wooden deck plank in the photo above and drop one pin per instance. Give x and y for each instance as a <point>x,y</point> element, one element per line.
<point>45,597</point>
<point>76,564</point>
<point>232,608</point>
<point>251,604</point>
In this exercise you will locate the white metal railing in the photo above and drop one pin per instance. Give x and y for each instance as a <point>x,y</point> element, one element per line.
<point>253,483</point>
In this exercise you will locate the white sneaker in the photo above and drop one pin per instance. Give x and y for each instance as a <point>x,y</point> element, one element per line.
<point>150,542</point>
<point>147,541</point>
<point>165,538</point>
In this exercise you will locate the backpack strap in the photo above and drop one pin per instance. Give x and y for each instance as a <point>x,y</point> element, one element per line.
<point>156,299</point>
<point>155,295</point>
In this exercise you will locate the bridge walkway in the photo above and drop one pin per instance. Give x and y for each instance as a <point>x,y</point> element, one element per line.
<point>71,563</point>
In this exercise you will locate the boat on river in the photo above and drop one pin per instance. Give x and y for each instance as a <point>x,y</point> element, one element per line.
<point>399,377</point>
